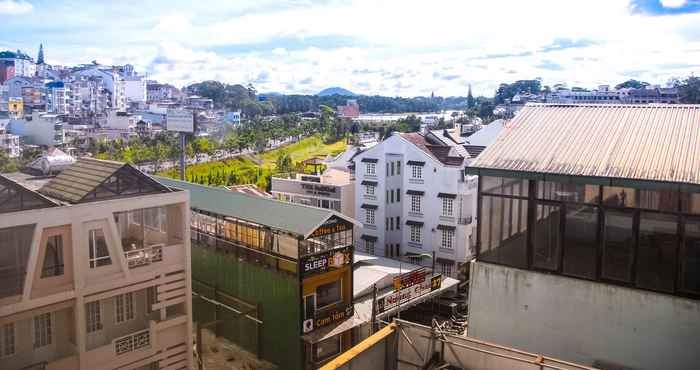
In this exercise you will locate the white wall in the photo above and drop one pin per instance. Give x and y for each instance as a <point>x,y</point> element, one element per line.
<point>135,90</point>
<point>582,321</point>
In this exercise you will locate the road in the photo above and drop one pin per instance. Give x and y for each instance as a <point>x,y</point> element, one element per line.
<point>217,156</point>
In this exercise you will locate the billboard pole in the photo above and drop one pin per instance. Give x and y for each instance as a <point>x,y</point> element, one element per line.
<point>183,155</point>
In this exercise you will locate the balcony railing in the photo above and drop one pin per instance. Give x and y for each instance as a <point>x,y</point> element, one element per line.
<point>132,342</point>
<point>144,256</point>
<point>37,366</point>
<point>464,220</point>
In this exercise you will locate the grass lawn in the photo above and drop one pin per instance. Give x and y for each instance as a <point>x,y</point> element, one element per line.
<point>246,170</point>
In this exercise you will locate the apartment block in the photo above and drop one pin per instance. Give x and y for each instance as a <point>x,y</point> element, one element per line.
<point>95,271</point>
<point>588,246</point>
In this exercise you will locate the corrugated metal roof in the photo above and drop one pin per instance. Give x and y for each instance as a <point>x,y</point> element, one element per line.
<point>639,142</point>
<point>290,217</point>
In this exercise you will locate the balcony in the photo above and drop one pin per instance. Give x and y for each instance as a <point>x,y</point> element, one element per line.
<point>464,220</point>
<point>144,256</point>
<point>132,342</point>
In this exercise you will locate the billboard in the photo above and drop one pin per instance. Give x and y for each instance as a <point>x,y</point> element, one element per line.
<point>322,262</point>
<point>394,299</point>
<point>180,120</point>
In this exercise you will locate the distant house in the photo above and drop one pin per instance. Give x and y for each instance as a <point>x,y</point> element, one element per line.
<point>350,110</point>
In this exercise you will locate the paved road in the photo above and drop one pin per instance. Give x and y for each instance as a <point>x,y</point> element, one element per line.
<point>217,156</point>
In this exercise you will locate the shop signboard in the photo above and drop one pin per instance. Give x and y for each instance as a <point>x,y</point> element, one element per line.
<point>394,299</point>
<point>410,278</point>
<point>328,317</point>
<point>324,261</point>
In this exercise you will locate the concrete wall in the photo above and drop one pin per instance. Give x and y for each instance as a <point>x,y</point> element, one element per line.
<point>582,321</point>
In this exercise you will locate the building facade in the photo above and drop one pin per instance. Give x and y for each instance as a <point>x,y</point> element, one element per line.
<point>40,129</point>
<point>95,275</point>
<point>412,197</point>
<point>331,190</point>
<point>288,266</point>
<point>589,235</point>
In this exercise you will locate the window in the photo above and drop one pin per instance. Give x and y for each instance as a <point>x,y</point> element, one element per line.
<point>417,172</point>
<point>151,298</point>
<point>416,203</point>
<point>387,169</point>
<point>446,268</point>
<point>447,207</point>
<point>99,255</point>
<point>369,189</point>
<point>618,245</point>
<point>656,252</point>
<point>504,231</point>
<point>43,330</point>
<point>155,218</point>
<point>416,233</point>
<point>398,167</point>
<point>690,268</point>
<point>327,348</point>
<point>398,222</point>
<point>309,306</point>
<point>447,240</point>
<point>369,246</point>
<point>546,243</point>
<point>398,195</point>
<point>328,294</point>
<point>124,304</point>
<point>391,195</point>
<point>581,241</point>
<point>369,216</point>
<point>370,169</point>
<point>53,257</point>
<point>391,222</point>
<point>386,223</point>
<point>7,339</point>
<point>618,196</point>
<point>387,197</point>
<point>392,168</point>
<point>93,316</point>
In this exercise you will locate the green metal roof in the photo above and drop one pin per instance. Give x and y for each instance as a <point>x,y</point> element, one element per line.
<point>289,217</point>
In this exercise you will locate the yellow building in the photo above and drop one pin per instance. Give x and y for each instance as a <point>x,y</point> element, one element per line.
<point>15,107</point>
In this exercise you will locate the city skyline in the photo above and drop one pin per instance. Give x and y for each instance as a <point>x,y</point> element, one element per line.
<point>404,49</point>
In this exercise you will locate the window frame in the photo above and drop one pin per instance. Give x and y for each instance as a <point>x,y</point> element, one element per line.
<point>4,342</point>
<point>126,301</point>
<point>370,169</point>
<point>447,205</point>
<point>370,216</point>
<point>95,316</point>
<point>47,332</point>
<point>416,172</point>
<point>59,267</point>
<point>447,235</point>
<point>416,204</point>
<point>416,234</point>
<point>92,246</point>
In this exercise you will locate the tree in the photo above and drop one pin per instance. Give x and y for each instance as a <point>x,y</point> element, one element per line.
<point>689,90</point>
<point>470,98</point>
<point>632,84</point>
<point>284,163</point>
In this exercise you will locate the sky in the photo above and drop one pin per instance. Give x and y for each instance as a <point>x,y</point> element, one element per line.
<point>393,48</point>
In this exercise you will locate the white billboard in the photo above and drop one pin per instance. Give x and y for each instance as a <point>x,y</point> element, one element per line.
<point>180,121</point>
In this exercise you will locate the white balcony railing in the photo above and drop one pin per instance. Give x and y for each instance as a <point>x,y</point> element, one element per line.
<point>132,342</point>
<point>144,256</point>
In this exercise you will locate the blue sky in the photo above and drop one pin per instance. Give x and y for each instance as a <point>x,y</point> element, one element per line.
<point>405,48</point>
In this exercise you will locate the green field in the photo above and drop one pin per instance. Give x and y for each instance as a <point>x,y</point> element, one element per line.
<point>256,169</point>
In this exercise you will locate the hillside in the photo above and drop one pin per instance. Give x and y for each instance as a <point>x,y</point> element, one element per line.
<point>335,91</point>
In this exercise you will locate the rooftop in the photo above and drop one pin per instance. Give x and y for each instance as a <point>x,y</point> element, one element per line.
<point>658,143</point>
<point>445,154</point>
<point>289,217</point>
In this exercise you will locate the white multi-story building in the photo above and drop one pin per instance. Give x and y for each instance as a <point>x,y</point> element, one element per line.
<point>95,271</point>
<point>412,197</point>
<point>112,82</point>
<point>9,143</point>
<point>135,89</point>
<point>40,129</point>
<point>23,63</point>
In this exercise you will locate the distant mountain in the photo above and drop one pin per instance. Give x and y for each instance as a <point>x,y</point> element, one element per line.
<point>335,91</point>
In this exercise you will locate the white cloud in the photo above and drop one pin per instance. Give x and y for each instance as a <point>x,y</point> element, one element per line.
<point>15,7</point>
<point>673,3</point>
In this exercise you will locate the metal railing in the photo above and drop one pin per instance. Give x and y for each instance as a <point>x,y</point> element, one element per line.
<point>38,366</point>
<point>132,342</point>
<point>144,256</point>
<point>464,220</point>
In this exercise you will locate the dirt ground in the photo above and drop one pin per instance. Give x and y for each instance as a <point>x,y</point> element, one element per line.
<point>221,354</point>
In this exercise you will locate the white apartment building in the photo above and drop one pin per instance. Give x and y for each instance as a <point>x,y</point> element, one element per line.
<point>412,198</point>
<point>9,144</point>
<point>334,189</point>
<point>134,89</point>
<point>40,129</point>
<point>95,271</point>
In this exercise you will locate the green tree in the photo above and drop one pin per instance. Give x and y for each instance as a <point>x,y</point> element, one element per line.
<point>689,90</point>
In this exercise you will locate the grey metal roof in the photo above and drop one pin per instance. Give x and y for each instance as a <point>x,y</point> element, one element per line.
<point>290,217</point>
<point>637,142</point>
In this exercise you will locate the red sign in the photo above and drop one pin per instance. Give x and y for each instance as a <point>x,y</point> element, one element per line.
<point>410,278</point>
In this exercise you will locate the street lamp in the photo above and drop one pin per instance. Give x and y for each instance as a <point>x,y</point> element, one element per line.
<point>421,255</point>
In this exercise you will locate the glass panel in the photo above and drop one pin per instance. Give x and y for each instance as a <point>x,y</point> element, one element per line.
<point>546,241</point>
<point>504,185</point>
<point>99,255</point>
<point>661,200</point>
<point>658,240</point>
<point>576,193</point>
<point>328,294</point>
<point>580,241</point>
<point>15,243</point>
<point>327,348</point>
<point>690,203</point>
<point>618,197</point>
<point>504,231</point>
<point>690,266</point>
<point>53,257</point>
<point>619,245</point>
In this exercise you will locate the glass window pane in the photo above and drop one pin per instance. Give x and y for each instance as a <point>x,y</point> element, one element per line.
<point>690,203</point>
<point>504,185</point>
<point>690,265</point>
<point>619,245</point>
<point>546,241</point>
<point>658,240</point>
<point>576,193</point>
<point>618,197</point>
<point>662,200</point>
<point>504,231</point>
<point>580,241</point>
<point>328,294</point>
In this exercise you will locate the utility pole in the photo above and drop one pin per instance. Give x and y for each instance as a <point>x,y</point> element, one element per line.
<point>374,309</point>
<point>183,155</point>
